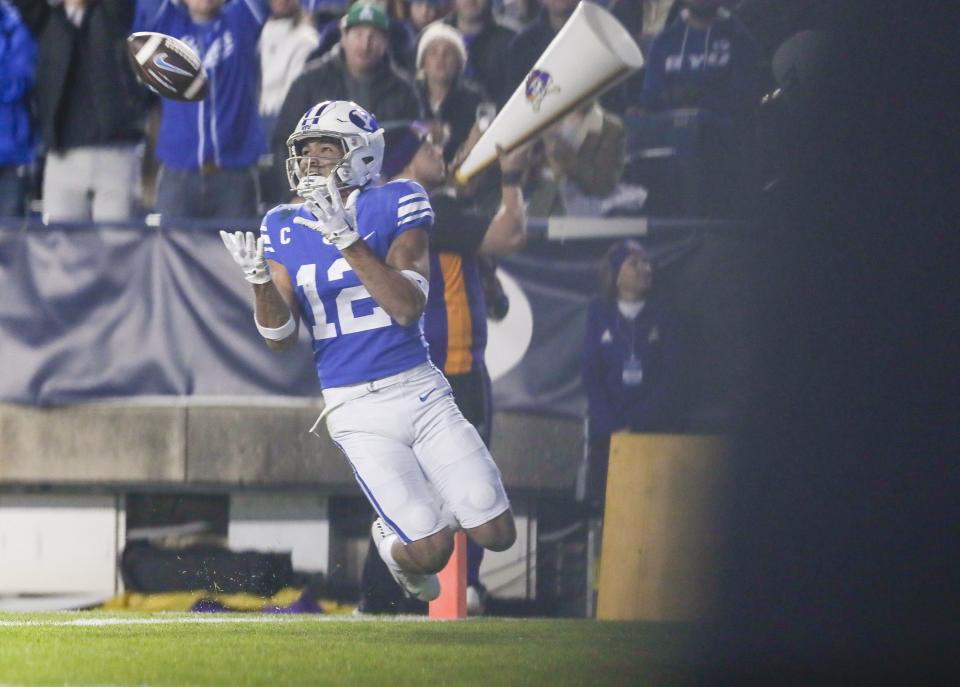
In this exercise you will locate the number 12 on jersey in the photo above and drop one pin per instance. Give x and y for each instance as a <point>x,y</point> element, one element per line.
<point>349,322</point>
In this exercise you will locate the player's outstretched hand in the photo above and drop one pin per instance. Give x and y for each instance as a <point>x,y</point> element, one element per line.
<point>247,251</point>
<point>336,221</point>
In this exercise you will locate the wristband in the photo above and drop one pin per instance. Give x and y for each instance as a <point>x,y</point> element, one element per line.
<point>278,333</point>
<point>417,280</point>
<point>514,178</point>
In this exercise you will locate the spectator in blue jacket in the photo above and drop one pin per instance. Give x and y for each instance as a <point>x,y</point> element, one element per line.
<point>632,370</point>
<point>208,150</point>
<point>18,57</point>
<point>707,60</point>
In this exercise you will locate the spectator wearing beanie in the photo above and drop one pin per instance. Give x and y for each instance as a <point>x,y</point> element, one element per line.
<point>446,96</point>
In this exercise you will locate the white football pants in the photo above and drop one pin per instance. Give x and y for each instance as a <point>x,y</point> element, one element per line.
<point>408,443</point>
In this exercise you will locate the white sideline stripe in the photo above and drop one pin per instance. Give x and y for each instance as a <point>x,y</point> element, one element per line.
<point>144,53</point>
<point>206,620</point>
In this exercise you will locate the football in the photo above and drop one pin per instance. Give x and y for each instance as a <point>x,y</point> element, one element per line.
<point>167,66</point>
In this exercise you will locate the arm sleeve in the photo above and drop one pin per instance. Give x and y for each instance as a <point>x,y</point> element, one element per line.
<point>17,72</point>
<point>414,210</point>
<point>748,74</point>
<point>456,229</point>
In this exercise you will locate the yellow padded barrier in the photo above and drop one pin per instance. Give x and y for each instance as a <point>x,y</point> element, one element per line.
<point>661,529</point>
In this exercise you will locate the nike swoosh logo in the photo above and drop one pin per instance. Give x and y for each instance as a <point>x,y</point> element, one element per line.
<point>327,241</point>
<point>160,60</point>
<point>424,397</point>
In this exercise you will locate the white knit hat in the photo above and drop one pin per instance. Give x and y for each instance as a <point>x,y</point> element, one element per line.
<point>437,31</point>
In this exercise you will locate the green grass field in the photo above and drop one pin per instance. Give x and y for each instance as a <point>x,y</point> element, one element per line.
<point>97,648</point>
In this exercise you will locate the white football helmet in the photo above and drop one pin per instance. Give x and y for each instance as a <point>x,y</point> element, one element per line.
<point>359,135</point>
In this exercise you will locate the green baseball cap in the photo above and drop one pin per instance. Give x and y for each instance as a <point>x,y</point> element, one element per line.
<point>366,13</point>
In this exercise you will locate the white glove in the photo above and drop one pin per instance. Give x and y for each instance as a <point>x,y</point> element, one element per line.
<point>336,221</point>
<point>247,251</point>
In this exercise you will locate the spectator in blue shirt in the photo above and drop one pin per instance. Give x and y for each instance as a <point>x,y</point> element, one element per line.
<point>18,57</point>
<point>208,149</point>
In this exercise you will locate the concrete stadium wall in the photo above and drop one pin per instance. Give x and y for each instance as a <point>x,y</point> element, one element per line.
<point>105,446</point>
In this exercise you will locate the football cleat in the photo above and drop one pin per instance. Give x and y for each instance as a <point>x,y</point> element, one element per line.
<point>415,585</point>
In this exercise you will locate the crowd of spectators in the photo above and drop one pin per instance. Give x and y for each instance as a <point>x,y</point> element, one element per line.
<point>75,132</point>
<point>76,122</point>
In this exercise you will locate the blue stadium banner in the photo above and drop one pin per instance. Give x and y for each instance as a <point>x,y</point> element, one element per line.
<point>91,313</point>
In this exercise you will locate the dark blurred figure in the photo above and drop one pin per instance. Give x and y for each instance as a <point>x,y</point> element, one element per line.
<point>530,43</point>
<point>18,59</point>
<point>422,13</point>
<point>488,45</point>
<point>840,551</point>
<point>644,19</point>
<point>708,61</point>
<point>773,21</point>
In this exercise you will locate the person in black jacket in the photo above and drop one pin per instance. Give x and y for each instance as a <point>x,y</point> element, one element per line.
<point>358,69</point>
<point>89,107</point>
<point>488,43</point>
<point>530,43</point>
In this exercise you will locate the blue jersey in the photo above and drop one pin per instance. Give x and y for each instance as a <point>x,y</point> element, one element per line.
<point>354,340</point>
<point>224,128</point>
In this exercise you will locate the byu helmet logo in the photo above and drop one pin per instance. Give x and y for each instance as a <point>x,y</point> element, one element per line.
<point>363,120</point>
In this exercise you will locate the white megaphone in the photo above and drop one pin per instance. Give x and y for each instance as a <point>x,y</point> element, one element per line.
<point>590,54</point>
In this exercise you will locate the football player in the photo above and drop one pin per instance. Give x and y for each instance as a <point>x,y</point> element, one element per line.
<point>352,262</point>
